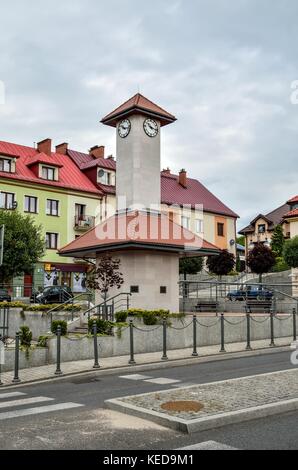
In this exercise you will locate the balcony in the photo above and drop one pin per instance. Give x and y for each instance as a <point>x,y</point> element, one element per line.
<point>84,222</point>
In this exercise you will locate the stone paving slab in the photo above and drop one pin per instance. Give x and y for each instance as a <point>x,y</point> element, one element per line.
<point>35,374</point>
<point>222,403</point>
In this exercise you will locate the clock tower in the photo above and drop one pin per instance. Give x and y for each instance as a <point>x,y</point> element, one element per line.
<point>138,124</point>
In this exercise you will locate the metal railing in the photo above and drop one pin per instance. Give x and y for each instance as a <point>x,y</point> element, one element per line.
<point>4,319</point>
<point>107,309</point>
<point>71,301</point>
<point>84,222</point>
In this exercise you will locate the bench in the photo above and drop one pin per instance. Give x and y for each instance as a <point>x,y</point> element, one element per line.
<point>258,306</point>
<point>204,306</point>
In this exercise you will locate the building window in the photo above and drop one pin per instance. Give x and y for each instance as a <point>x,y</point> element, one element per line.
<point>52,207</point>
<point>48,173</point>
<point>262,228</point>
<point>185,222</point>
<point>163,289</point>
<point>5,165</point>
<point>220,230</point>
<point>7,201</point>
<point>51,241</point>
<point>106,177</point>
<point>31,204</point>
<point>199,226</point>
<point>134,290</point>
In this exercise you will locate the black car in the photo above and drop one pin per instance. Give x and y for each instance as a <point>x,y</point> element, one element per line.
<point>4,296</point>
<point>52,295</point>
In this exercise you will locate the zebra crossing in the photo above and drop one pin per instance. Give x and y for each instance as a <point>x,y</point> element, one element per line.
<point>19,404</point>
<point>155,380</point>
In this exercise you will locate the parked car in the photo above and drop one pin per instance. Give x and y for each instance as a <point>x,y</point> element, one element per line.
<point>250,293</point>
<point>4,296</point>
<point>52,295</point>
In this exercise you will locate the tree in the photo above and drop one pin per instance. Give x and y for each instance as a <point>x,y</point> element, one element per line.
<point>260,260</point>
<point>291,252</point>
<point>106,275</point>
<point>24,245</point>
<point>241,240</point>
<point>278,241</point>
<point>222,264</point>
<point>189,266</point>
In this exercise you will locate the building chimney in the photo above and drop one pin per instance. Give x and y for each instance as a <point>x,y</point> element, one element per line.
<point>110,157</point>
<point>62,148</point>
<point>183,178</point>
<point>45,146</point>
<point>97,152</point>
<point>167,171</point>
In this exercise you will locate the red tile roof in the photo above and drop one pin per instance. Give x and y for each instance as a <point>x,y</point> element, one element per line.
<point>43,158</point>
<point>138,230</point>
<point>195,193</point>
<point>293,200</point>
<point>138,103</point>
<point>171,191</point>
<point>274,218</point>
<point>70,176</point>
<point>293,213</point>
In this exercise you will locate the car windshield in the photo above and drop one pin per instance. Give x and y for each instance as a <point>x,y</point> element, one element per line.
<point>46,290</point>
<point>3,292</point>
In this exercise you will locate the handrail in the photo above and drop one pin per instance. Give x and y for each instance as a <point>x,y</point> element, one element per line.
<point>106,301</point>
<point>69,301</point>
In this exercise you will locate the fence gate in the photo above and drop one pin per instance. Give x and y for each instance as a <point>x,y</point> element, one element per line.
<point>4,318</point>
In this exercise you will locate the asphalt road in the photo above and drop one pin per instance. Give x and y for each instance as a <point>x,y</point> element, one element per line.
<point>71,414</point>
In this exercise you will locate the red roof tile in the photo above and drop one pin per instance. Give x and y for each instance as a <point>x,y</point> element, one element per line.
<point>290,214</point>
<point>195,193</point>
<point>137,229</point>
<point>70,176</point>
<point>42,158</point>
<point>138,103</point>
<point>293,200</point>
<point>100,162</point>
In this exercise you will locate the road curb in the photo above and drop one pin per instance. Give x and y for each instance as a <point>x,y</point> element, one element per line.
<point>154,366</point>
<point>204,424</point>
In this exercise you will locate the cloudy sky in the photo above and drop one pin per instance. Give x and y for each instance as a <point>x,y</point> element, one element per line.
<point>223,67</point>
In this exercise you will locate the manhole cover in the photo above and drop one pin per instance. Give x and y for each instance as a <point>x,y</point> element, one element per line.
<point>181,406</point>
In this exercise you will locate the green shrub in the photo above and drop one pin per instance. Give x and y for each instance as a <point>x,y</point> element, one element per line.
<point>43,341</point>
<point>150,318</point>
<point>103,326</point>
<point>121,317</point>
<point>41,307</point>
<point>62,324</point>
<point>26,336</point>
<point>280,265</point>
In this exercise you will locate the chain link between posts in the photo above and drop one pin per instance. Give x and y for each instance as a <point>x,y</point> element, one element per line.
<point>208,326</point>
<point>257,321</point>
<point>182,328</point>
<point>235,323</point>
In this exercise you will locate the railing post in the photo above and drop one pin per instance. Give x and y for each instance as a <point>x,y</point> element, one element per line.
<point>248,346</point>
<point>222,333</point>
<point>195,352</point>
<point>272,344</point>
<point>96,363</point>
<point>132,361</point>
<point>294,324</point>
<point>58,369</point>
<point>165,356</point>
<point>16,379</point>
<point>127,301</point>
<point>0,360</point>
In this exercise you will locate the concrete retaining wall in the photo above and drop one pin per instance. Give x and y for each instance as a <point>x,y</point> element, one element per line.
<point>37,357</point>
<point>38,322</point>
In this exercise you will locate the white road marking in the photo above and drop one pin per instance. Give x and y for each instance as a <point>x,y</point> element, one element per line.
<point>24,401</point>
<point>163,381</point>
<point>11,395</point>
<point>38,410</point>
<point>135,377</point>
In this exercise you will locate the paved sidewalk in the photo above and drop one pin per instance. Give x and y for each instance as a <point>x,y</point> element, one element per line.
<point>36,374</point>
<point>205,406</point>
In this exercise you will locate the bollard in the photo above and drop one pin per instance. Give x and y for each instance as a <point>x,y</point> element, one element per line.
<point>0,376</point>
<point>58,370</point>
<point>132,361</point>
<point>165,356</point>
<point>248,346</point>
<point>222,333</point>
<point>294,325</point>
<point>272,344</point>
<point>16,379</point>
<point>96,363</point>
<point>195,352</point>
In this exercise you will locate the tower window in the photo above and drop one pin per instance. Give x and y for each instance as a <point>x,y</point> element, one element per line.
<point>221,230</point>
<point>163,289</point>
<point>134,289</point>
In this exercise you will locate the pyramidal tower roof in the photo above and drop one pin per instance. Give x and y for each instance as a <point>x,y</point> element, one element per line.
<point>138,104</point>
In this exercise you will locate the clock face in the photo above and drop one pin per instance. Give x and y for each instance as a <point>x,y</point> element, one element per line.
<point>124,128</point>
<point>151,127</point>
